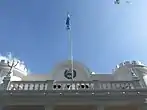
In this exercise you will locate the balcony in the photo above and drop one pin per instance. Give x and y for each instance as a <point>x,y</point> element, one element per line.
<point>72,85</point>
<point>41,92</point>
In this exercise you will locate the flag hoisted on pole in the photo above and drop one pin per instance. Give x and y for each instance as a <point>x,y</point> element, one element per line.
<point>68,27</point>
<point>68,22</point>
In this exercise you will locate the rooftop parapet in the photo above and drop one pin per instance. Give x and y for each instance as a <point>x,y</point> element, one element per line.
<point>5,60</point>
<point>129,64</point>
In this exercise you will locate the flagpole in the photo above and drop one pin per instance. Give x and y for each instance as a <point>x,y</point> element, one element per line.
<point>70,52</point>
<point>70,44</point>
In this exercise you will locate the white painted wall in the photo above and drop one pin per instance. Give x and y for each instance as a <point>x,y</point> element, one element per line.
<point>122,74</point>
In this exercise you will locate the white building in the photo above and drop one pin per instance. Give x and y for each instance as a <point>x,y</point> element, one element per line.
<point>82,89</point>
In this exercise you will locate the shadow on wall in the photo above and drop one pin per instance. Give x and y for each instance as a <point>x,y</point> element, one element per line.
<point>145,79</point>
<point>24,108</point>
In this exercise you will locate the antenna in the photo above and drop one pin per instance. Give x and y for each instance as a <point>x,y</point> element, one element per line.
<point>11,63</point>
<point>12,66</point>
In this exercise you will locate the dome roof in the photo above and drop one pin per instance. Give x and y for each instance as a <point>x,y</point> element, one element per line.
<point>129,64</point>
<point>76,65</point>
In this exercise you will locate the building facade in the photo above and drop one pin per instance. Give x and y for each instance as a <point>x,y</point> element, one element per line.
<point>81,89</point>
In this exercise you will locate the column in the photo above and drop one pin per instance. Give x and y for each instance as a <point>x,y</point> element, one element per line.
<point>100,107</point>
<point>143,107</point>
<point>1,108</point>
<point>49,107</point>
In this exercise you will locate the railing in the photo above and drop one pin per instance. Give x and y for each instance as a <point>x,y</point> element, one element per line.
<point>72,85</point>
<point>28,85</point>
<point>116,85</point>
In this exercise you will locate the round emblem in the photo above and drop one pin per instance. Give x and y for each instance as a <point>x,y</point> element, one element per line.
<point>69,74</point>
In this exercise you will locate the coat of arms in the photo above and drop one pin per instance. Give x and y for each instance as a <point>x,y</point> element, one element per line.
<point>69,74</point>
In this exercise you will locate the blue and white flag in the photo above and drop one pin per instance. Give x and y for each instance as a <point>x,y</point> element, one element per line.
<point>68,22</point>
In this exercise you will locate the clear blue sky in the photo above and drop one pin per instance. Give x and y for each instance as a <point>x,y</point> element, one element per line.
<point>104,34</point>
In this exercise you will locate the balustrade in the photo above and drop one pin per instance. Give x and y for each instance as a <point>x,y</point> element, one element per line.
<point>116,85</point>
<point>28,85</point>
<point>72,85</point>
